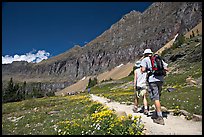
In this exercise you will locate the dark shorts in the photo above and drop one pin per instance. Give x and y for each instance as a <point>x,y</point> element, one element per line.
<point>155,89</point>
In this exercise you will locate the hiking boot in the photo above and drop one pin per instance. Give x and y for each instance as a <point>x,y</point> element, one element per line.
<point>154,115</point>
<point>135,110</point>
<point>159,120</point>
<point>146,112</point>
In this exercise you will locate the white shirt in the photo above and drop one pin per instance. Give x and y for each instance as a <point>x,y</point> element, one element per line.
<point>141,78</point>
<point>146,62</point>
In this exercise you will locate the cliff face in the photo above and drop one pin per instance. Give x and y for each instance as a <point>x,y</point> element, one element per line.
<point>124,42</point>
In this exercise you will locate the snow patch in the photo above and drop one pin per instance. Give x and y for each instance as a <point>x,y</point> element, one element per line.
<point>119,66</point>
<point>83,78</point>
<point>175,37</point>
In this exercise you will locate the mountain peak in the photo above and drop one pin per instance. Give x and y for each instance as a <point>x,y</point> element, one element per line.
<point>122,43</point>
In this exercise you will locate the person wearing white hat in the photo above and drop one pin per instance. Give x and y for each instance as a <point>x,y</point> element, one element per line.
<point>140,88</point>
<point>154,84</point>
<point>147,51</point>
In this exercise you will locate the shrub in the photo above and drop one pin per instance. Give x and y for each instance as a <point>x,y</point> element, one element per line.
<point>19,91</point>
<point>103,122</point>
<point>132,72</point>
<point>94,107</point>
<point>164,51</point>
<point>92,82</point>
<point>179,41</point>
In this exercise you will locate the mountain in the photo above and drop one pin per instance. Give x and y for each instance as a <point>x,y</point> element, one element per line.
<point>124,42</point>
<point>180,106</point>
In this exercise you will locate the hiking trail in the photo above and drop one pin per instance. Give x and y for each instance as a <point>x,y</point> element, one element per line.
<point>174,125</point>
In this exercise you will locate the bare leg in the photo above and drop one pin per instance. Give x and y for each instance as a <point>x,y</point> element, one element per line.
<point>135,108</point>
<point>144,100</point>
<point>158,106</point>
<point>159,119</point>
<point>146,111</point>
<point>136,102</point>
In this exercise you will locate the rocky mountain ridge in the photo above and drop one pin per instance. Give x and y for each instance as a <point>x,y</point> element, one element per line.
<point>124,42</point>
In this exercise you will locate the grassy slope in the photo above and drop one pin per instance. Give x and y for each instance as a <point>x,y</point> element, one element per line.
<point>74,115</point>
<point>36,120</point>
<point>186,96</point>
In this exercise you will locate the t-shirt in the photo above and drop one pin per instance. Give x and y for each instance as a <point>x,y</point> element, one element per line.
<point>141,78</point>
<point>146,62</point>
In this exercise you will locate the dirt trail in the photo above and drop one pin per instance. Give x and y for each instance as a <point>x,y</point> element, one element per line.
<point>174,125</point>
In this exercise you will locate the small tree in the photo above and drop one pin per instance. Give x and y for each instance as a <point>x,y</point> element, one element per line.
<point>180,40</point>
<point>132,72</point>
<point>18,95</point>
<point>24,92</point>
<point>193,34</point>
<point>21,92</point>
<point>11,91</point>
<point>92,82</point>
<point>95,81</point>
<point>37,91</point>
<point>197,32</point>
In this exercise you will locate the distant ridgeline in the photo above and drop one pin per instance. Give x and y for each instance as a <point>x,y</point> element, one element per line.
<point>123,42</point>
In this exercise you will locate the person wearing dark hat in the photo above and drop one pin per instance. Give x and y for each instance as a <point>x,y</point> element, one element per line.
<point>154,84</point>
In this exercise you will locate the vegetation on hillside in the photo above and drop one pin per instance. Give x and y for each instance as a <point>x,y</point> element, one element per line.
<point>70,115</point>
<point>15,91</point>
<point>92,82</point>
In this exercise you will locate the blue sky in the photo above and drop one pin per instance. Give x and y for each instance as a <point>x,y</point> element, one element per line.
<point>40,30</point>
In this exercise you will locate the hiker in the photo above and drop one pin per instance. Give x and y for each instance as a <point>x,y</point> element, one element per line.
<point>140,88</point>
<point>89,90</point>
<point>154,84</point>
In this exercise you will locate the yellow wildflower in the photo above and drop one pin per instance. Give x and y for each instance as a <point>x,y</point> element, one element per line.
<point>130,116</point>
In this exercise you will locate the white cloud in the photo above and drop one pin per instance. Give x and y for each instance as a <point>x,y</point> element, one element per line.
<point>7,59</point>
<point>29,57</point>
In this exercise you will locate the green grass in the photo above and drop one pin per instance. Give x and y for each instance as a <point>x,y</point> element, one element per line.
<point>75,115</point>
<point>36,119</point>
<point>187,98</point>
<point>195,70</point>
<point>117,92</point>
<point>121,92</point>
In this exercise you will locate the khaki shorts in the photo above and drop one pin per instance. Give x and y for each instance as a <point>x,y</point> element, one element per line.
<point>141,92</point>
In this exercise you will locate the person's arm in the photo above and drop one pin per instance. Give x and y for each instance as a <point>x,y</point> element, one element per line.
<point>143,66</point>
<point>143,69</point>
<point>135,79</point>
<point>165,65</point>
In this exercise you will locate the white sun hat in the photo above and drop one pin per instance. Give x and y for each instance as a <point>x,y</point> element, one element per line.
<point>137,64</point>
<point>148,51</point>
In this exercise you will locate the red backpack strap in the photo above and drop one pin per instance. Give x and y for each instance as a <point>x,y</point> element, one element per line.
<point>152,59</point>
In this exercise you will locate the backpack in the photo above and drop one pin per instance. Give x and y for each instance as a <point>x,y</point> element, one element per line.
<point>157,65</point>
